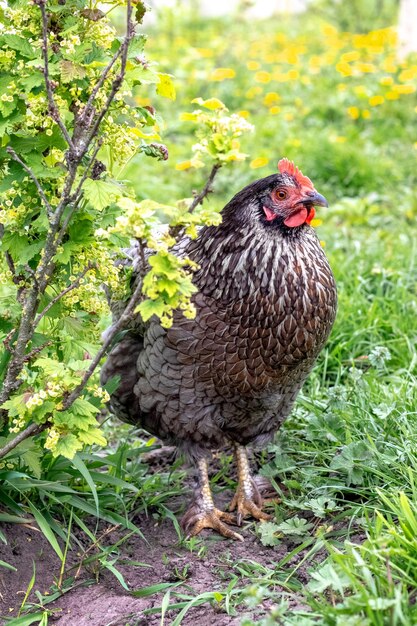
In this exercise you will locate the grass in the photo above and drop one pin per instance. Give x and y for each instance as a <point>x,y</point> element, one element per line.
<point>345,463</point>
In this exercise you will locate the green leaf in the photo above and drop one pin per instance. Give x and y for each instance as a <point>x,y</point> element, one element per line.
<point>82,407</point>
<point>267,532</point>
<point>68,445</point>
<point>7,566</point>
<point>82,468</point>
<point>100,193</point>
<point>92,436</point>
<point>20,44</point>
<point>46,530</point>
<point>326,577</point>
<point>166,87</point>
<point>71,71</point>
<point>147,308</point>
<point>164,264</point>
<point>137,45</point>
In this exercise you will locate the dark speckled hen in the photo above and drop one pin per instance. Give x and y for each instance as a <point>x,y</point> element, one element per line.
<point>265,305</point>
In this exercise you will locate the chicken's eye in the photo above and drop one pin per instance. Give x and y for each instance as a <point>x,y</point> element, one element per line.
<point>281,194</point>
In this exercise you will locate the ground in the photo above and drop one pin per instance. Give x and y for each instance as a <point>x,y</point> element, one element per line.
<point>218,576</point>
<point>160,559</point>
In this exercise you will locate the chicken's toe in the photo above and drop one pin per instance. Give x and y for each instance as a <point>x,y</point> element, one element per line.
<point>198,518</point>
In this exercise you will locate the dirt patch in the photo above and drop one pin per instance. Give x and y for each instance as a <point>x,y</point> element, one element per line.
<point>105,603</point>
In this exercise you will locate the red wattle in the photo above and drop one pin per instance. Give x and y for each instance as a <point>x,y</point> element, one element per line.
<point>297,218</point>
<point>311,215</point>
<point>270,215</point>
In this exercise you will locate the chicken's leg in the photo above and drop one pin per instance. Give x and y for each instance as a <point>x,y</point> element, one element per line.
<point>247,499</point>
<point>202,512</point>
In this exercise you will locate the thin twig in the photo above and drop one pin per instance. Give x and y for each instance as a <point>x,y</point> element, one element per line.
<point>27,169</point>
<point>30,431</point>
<point>206,189</point>
<point>63,293</point>
<point>87,109</point>
<point>53,109</point>
<point>77,192</point>
<point>119,78</point>
<point>36,351</point>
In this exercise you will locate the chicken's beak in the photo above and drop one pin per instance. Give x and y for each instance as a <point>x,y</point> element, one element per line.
<point>316,199</point>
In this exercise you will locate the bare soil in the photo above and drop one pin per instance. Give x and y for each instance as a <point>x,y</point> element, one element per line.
<point>96,597</point>
<point>104,602</point>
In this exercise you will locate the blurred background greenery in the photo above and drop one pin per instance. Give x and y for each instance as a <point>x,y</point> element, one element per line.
<point>324,87</point>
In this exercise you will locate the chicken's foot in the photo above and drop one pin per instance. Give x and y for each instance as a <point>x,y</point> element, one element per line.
<point>247,499</point>
<point>202,512</point>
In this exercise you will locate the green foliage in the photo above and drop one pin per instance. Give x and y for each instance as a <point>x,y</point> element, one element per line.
<point>63,225</point>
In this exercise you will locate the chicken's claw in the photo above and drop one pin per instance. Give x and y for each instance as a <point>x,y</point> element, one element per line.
<point>248,503</point>
<point>197,518</point>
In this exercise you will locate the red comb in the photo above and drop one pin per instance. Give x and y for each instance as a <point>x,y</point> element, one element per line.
<point>287,167</point>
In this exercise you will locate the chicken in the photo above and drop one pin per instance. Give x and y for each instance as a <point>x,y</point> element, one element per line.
<point>266,303</point>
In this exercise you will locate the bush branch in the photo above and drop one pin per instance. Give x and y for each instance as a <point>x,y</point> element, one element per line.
<point>206,189</point>
<point>49,209</point>
<point>30,431</point>
<point>53,109</point>
<point>63,293</point>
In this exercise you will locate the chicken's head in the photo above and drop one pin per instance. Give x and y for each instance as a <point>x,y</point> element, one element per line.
<point>293,198</point>
<point>285,200</point>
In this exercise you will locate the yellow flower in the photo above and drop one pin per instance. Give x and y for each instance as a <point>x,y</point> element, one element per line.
<point>275,110</point>
<point>205,52</point>
<point>344,69</point>
<point>353,55</point>
<point>143,102</point>
<point>403,89</point>
<point>408,74</point>
<point>259,162</point>
<point>392,95</point>
<point>253,65</point>
<point>244,114</point>
<point>262,77</point>
<point>184,165</point>
<point>222,73</point>
<point>386,80</point>
<point>289,117</point>
<point>366,114</point>
<point>271,97</point>
<point>316,222</point>
<point>375,101</point>
<point>353,112</point>
<point>365,68</point>
<point>340,139</point>
<point>293,74</point>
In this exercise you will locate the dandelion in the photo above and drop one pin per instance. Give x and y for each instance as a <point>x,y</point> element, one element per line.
<point>263,77</point>
<point>403,89</point>
<point>222,73</point>
<point>259,162</point>
<point>353,112</point>
<point>376,101</point>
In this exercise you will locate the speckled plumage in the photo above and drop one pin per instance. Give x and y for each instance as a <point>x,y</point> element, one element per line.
<point>266,303</point>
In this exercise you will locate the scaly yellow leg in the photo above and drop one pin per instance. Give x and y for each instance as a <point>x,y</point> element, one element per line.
<point>202,512</point>
<point>247,499</point>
